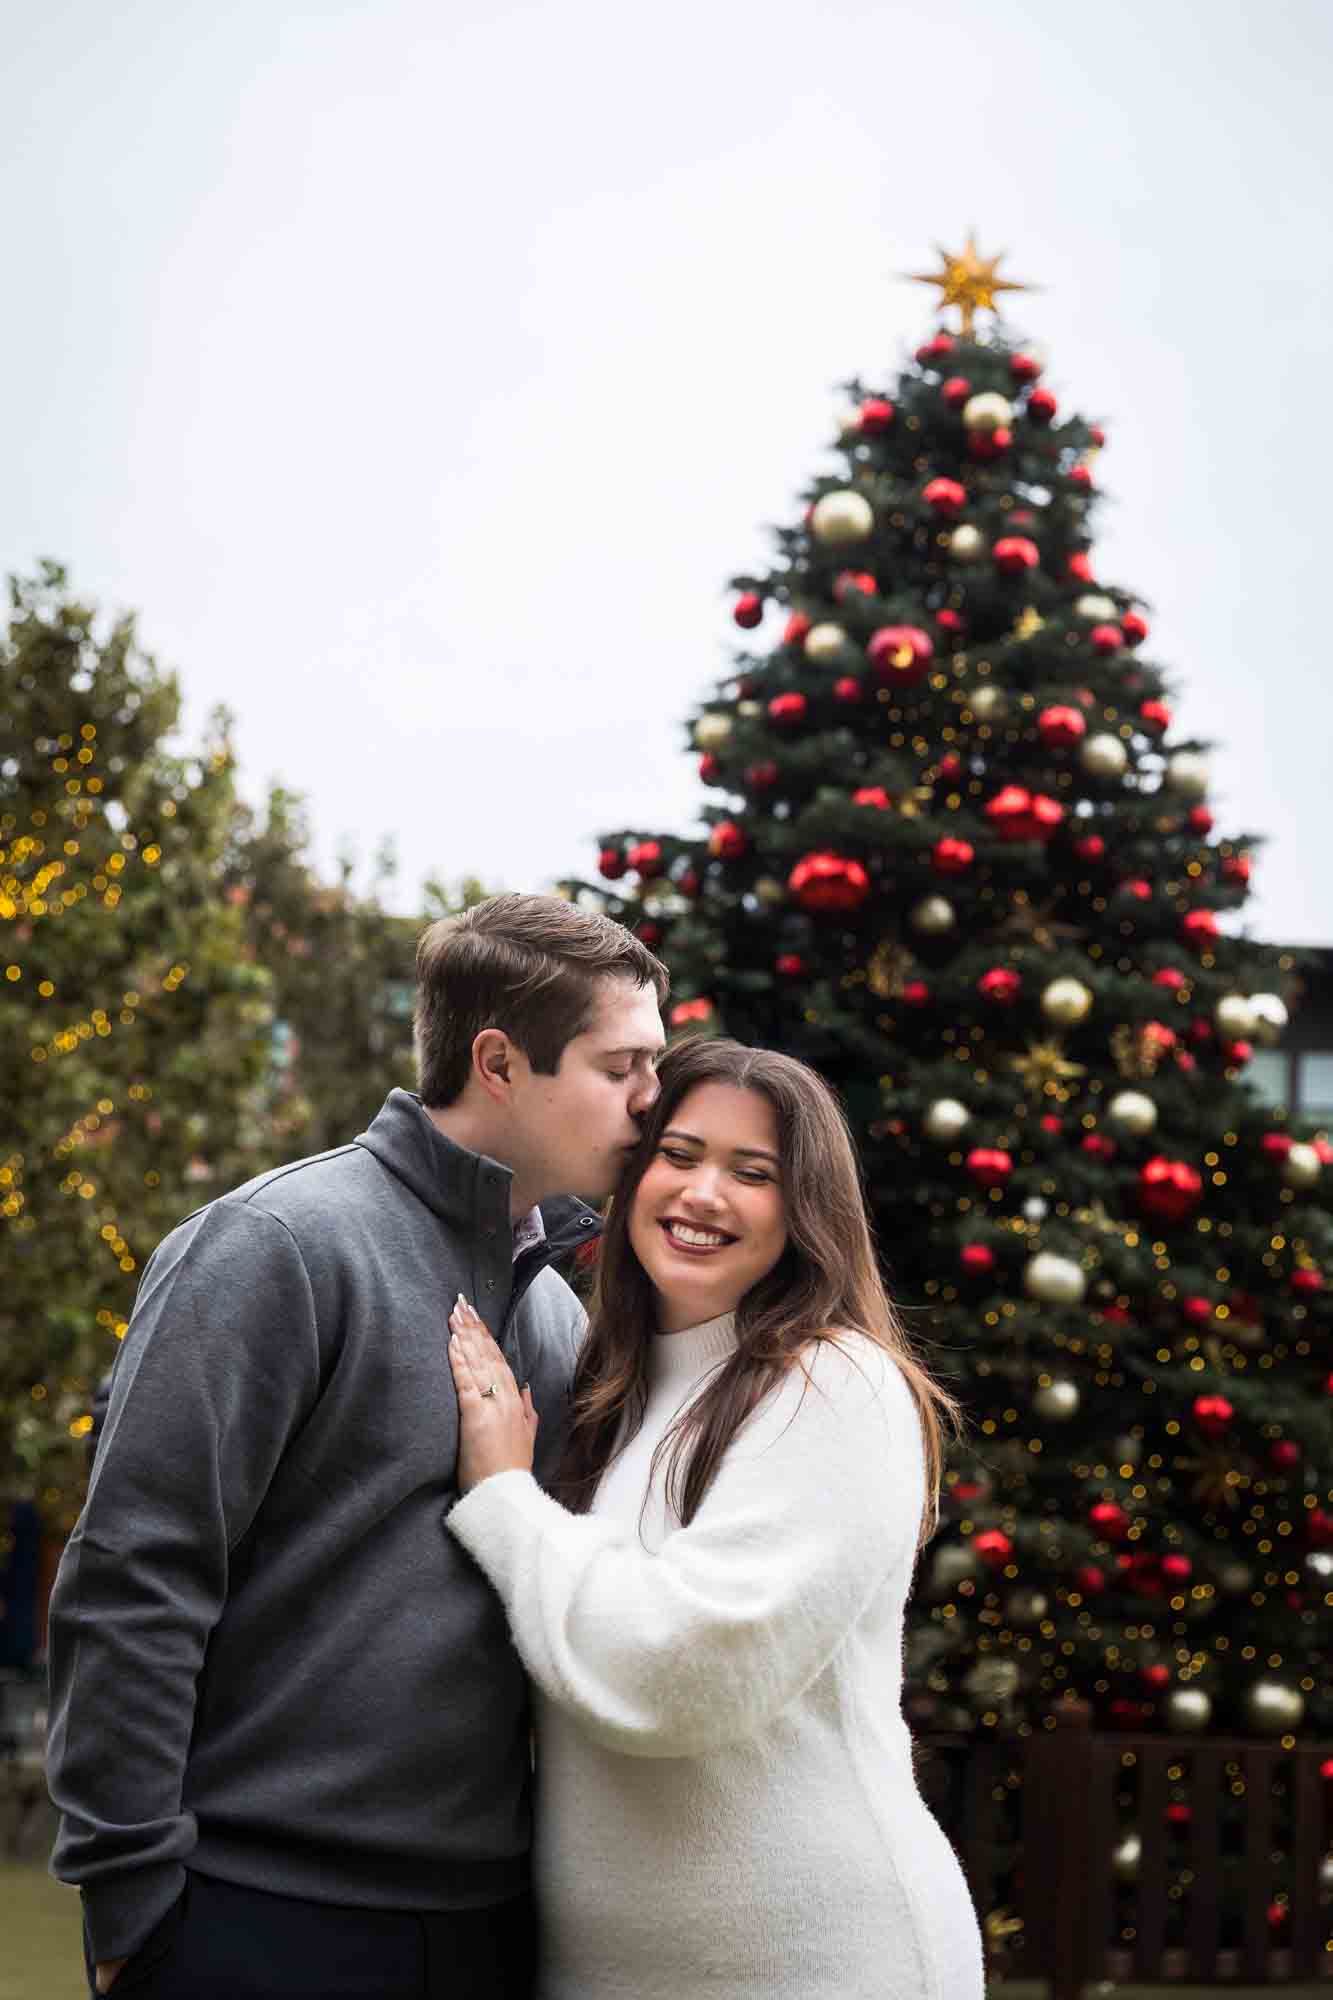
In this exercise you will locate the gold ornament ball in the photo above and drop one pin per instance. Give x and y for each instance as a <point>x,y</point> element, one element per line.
<point>1301,1168</point>
<point>1126,1856</point>
<point>749,709</point>
<point>824,643</point>
<point>1187,773</point>
<point>967,544</point>
<point>1053,1280</point>
<point>945,1119</point>
<point>991,1683</point>
<point>1101,610</point>
<point>933,914</point>
<point>1066,1002</point>
<point>1133,1112</point>
<point>1188,1710</point>
<point>1056,1403</point>
<point>842,517</point>
<point>988,704</point>
<point>711,731</point>
<point>1104,757</point>
<point>951,1565</point>
<point>1234,1016</point>
<point>770,891</point>
<point>988,412</point>
<point>1026,1607</point>
<point>1269,1017</point>
<point>1273,1708</point>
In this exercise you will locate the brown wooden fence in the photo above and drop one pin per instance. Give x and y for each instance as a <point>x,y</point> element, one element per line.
<point>1153,1858</point>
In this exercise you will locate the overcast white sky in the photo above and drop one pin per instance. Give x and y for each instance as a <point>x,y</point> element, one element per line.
<point>422,372</point>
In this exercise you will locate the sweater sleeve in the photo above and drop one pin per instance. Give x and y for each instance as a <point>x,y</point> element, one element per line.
<point>218,1366</point>
<point>816,1504</point>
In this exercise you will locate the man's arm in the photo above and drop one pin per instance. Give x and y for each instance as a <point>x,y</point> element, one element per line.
<point>219,1366</point>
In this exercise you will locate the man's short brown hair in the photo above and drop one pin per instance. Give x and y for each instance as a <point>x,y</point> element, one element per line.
<point>527,964</point>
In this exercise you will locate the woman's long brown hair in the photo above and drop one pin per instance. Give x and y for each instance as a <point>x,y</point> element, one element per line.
<point>827,1281</point>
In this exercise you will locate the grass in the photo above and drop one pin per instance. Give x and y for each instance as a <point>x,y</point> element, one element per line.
<point>42,1957</point>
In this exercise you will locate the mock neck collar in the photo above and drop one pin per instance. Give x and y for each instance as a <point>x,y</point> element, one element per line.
<point>687,1353</point>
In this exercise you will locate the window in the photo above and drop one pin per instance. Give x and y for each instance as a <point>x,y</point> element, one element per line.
<point>1268,1071</point>
<point>1314,1083</point>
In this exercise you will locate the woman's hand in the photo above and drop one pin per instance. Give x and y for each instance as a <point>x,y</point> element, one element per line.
<point>497,1427</point>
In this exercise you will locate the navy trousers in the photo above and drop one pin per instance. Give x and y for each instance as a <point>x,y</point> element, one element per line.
<point>221,1942</point>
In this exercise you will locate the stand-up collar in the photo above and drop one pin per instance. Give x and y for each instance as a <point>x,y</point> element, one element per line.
<point>467,1190</point>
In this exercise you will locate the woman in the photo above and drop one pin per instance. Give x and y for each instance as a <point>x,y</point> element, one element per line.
<point>714,1618</point>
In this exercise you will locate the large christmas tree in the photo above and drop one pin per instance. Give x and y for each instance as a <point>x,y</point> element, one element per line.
<point>134,1028</point>
<point>959,859</point>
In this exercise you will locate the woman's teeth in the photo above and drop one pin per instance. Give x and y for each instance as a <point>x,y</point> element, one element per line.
<point>695,1239</point>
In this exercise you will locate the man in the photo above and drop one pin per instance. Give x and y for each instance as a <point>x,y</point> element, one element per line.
<point>289,1733</point>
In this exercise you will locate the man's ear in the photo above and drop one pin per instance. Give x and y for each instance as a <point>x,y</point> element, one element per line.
<point>492,1062</point>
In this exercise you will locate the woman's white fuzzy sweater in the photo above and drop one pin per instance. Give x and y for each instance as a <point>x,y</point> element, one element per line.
<point>725,1799</point>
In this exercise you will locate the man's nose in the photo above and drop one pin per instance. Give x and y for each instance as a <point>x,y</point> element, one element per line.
<point>645,1094</point>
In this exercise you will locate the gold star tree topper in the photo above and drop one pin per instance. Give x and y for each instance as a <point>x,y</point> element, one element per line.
<point>969,281</point>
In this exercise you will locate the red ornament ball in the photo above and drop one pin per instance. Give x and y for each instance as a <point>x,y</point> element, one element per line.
<point>748,610</point>
<point>1111,1522</point>
<point>1170,977</point>
<point>950,766</point>
<point>728,841</point>
<point>877,415</point>
<point>1090,1579</point>
<point>1236,868</point>
<point>990,444</point>
<point>645,857</point>
<point>1199,928</point>
<point>789,965</point>
<point>949,621</point>
<point>611,863</point>
<point>1080,475</point>
<point>1134,628</point>
<point>989,1166</point>
<point>956,391</point>
<point>1156,1675</point>
<point>1199,819</point>
<point>1091,847</point>
<point>900,654</point>
<point>1098,1146</point>
<point>854,582</point>
<point>1016,555</point>
<point>1197,1309</point>
<point>1285,1453</point>
<point>936,348</point>
<point>1017,814</point>
<point>993,1546</point>
<point>1177,1569</point>
<point>1024,367</point>
<point>946,496</point>
<point>686,1011</point>
<point>872,795</point>
<point>1136,887</point>
<point>688,884</point>
<point>1155,715</point>
<point>976,1259</point>
<point>788,711</point>
<point>1169,1189</point>
<point>1042,406</point>
<point>827,881</point>
<point>649,933</point>
<point>915,993</point>
<point>847,689</point>
<point>761,777</point>
<point>951,857</point>
<point>1080,567</point>
<point>1106,639</point>
<point>1213,1414</point>
<point>1060,727</point>
<point>796,628</point>
<point>1307,1280</point>
<point>1001,984</point>
<point>709,767</point>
